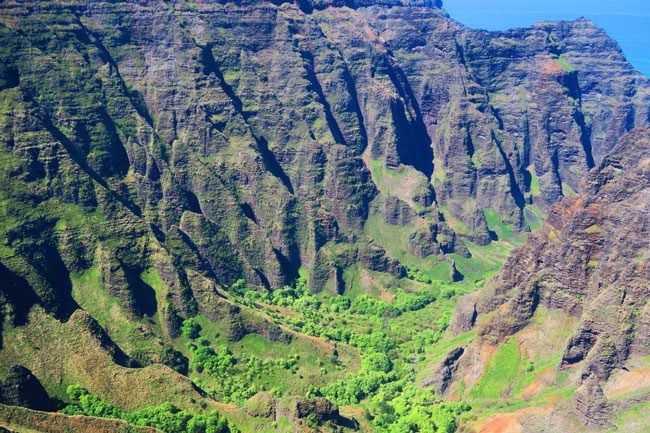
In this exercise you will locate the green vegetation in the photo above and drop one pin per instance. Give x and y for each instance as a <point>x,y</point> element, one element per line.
<point>633,419</point>
<point>534,217</point>
<point>502,226</point>
<point>534,182</point>
<point>388,334</point>
<point>484,262</point>
<point>234,378</point>
<point>403,407</point>
<point>567,191</point>
<point>395,240</point>
<point>110,312</point>
<point>565,64</point>
<point>165,417</point>
<point>500,373</point>
<point>190,328</point>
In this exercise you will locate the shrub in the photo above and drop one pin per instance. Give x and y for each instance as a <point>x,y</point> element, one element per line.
<point>376,362</point>
<point>166,417</point>
<point>190,328</point>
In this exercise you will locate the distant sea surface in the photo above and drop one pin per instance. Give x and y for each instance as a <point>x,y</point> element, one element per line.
<point>626,21</point>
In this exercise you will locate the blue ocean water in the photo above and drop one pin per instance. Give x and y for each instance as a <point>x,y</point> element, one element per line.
<point>626,21</point>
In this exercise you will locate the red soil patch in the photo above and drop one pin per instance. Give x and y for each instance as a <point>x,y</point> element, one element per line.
<point>628,381</point>
<point>506,423</point>
<point>509,422</point>
<point>552,67</point>
<point>485,354</point>
<point>318,342</point>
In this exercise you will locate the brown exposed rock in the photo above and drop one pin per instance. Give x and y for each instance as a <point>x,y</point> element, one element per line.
<point>441,379</point>
<point>589,262</point>
<point>321,408</point>
<point>422,243</point>
<point>396,211</point>
<point>591,405</point>
<point>465,314</point>
<point>376,259</point>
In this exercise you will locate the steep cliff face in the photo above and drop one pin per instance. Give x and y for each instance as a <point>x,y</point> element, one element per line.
<point>589,262</point>
<point>153,153</point>
<point>219,140</point>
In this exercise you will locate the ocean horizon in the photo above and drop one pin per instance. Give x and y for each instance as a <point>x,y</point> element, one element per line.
<point>626,21</point>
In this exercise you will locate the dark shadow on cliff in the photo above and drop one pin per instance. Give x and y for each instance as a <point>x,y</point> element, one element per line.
<point>413,141</point>
<point>144,296</point>
<point>210,66</point>
<point>15,291</point>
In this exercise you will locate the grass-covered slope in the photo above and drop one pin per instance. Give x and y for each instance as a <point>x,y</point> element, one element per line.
<point>270,364</point>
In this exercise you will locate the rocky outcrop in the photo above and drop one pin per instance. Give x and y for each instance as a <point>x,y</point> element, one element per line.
<point>331,261</point>
<point>585,260</point>
<point>444,372</point>
<point>422,243</point>
<point>464,317</point>
<point>591,405</point>
<point>376,259</point>
<point>590,261</point>
<point>396,211</point>
<point>320,409</point>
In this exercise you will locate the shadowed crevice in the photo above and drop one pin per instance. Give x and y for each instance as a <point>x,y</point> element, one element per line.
<point>515,191</point>
<point>119,155</point>
<point>414,144</point>
<point>315,86</point>
<point>352,90</point>
<point>571,84</point>
<point>144,296</point>
<point>210,67</point>
<point>585,137</point>
<point>69,146</point>
<point>135,97</point>
<point>17,292</point>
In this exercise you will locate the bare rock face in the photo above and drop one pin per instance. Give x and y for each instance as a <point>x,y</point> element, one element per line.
<point>586,261</point>
<point>592,406</point>
<point>396,211</point>
<point>444,373</point>
<point>376,259</point>
<point>590,261</point>
<point>464,317</point>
